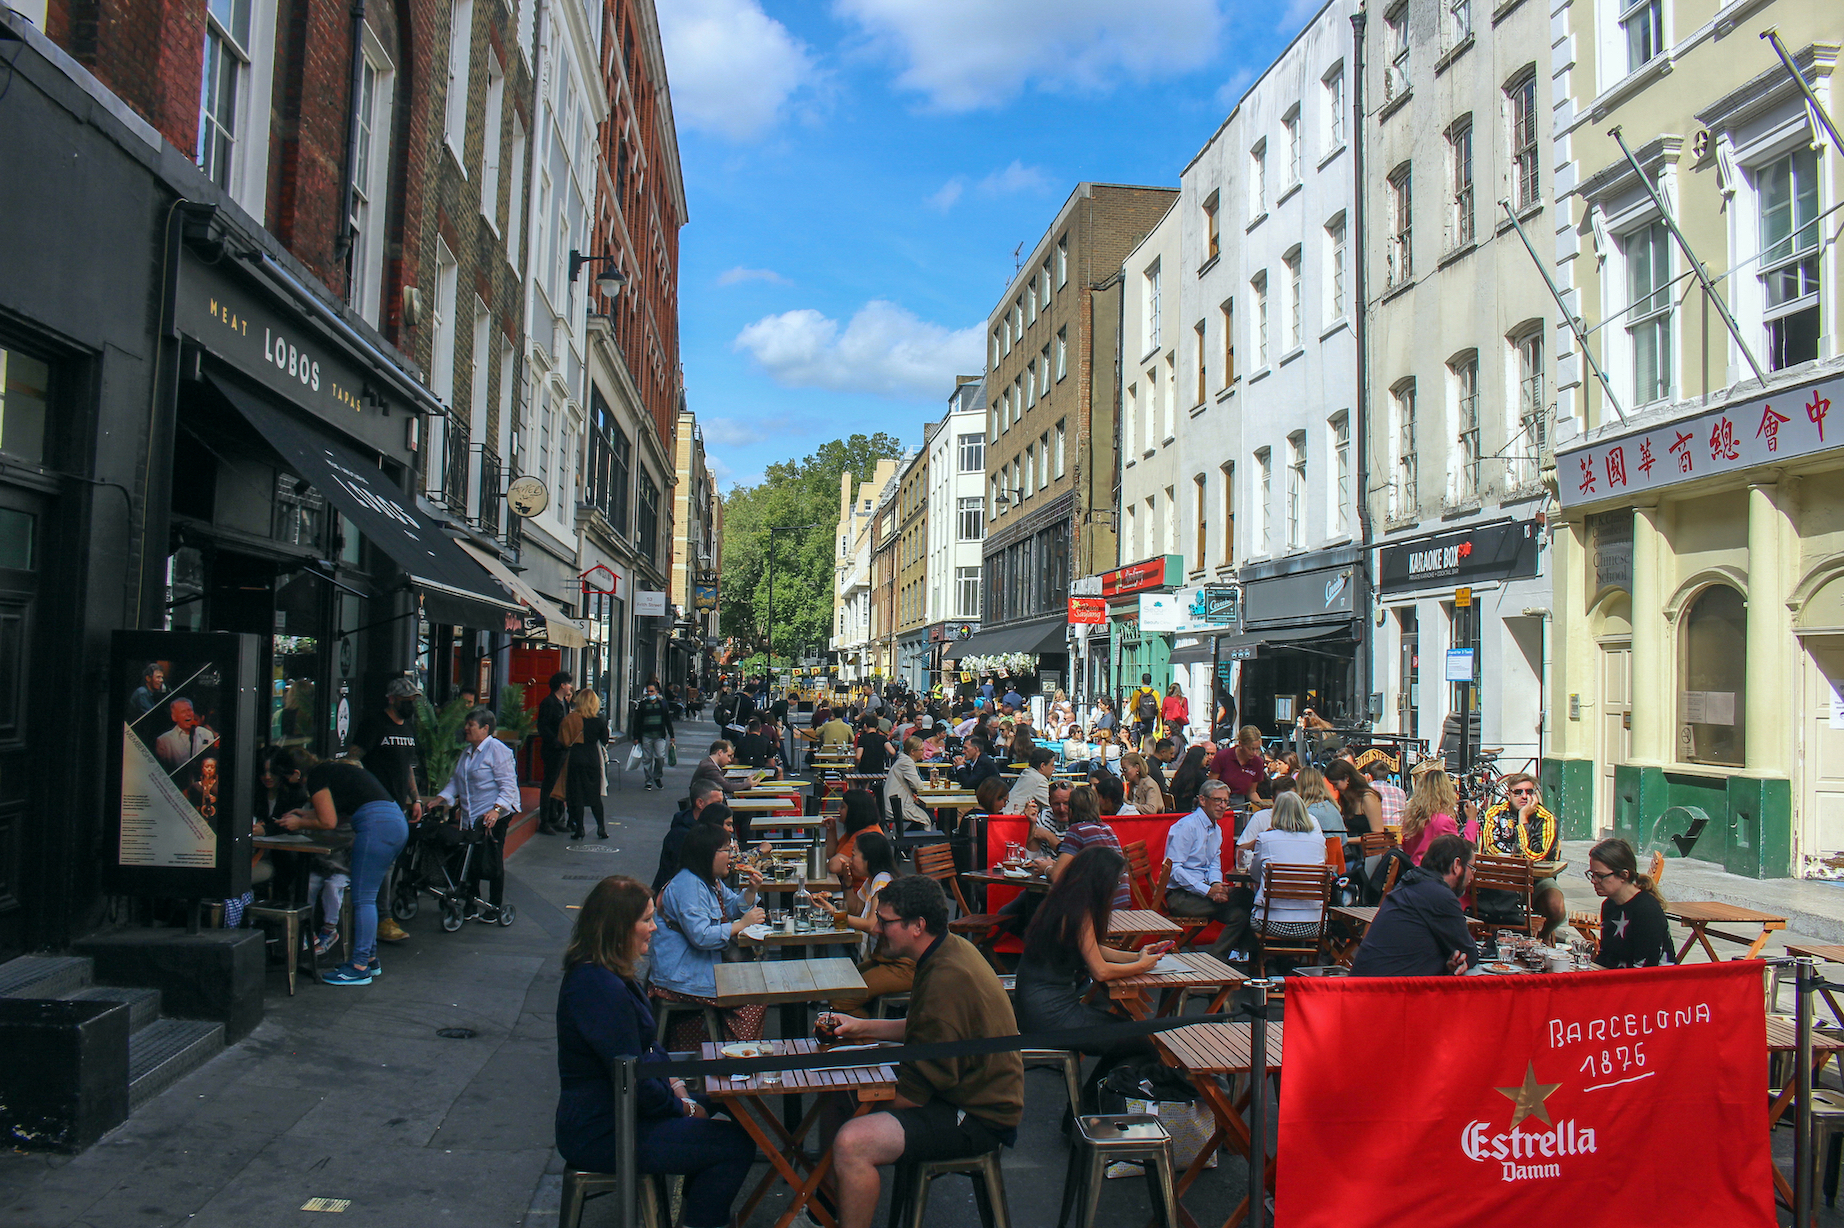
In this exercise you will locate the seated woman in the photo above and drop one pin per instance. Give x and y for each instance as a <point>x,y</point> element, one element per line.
<point>1192,772</point>
<point>1634,932</point>
<point>1063,953</point>
<point>1430,813</point>
<point>602,1015</point>
<point>991,795</point>
<point>701,916</point>
<point>857,814</point>
<point>1293,839</point>
<point>1142,791</point>
<point>873,866</point>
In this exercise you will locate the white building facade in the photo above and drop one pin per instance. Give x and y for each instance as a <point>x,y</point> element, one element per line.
<point>956,450</point>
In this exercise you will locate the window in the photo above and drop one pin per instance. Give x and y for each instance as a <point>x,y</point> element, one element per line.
<point>1460,199</point>
<point>479,367</point>
<point>992,421</point>
<point>1150,306</point>
<point>1648,322</point>
<point>966,592</point>
<point>1258,180</point>
<point>1018,319</point>
<point>25,394</point>
<point>605,480</point>
<point>1335,262</point>
<point>1028,483</point>
<point>1643,23</point>
<point>1459,21</point>
<point>1005,335</point>
<point>1530,431</point>
<point>1017,397</point>
<point>222,86</point>
<point>1296,490</point>
<point>1466,425</point>
<point>1404,494</point>
<point>1060,431</point>
<point>1030,384</point>
<point>515,195</point>
<point>1213,237</point>
<point>460,47</point>
<point>1396,76</point>
<point>1200,527</point>
<point>1401,242</point>
<point>993,356</point>
<point>1260,286</point>
<point>1043,460</point>
<point>1294,325</point>
<point>1335,109</point>
<point>370,181</point>
<point>489,142</point>
<point>1229,341</point>
<point>1129,423</point>
<point>1264,489</point>
<point>1043,372</point>
<point>1203,366</point>
<point>1154,402</point>
<point>1788,190</point>
<point>1713,664</point>
<point>972,453</point>
<point>1341,473</point>
<point>972,519</point>
<point>646,517</point>
<point>1062,352</point>
<point>1062,262</point>
<point>999,496</point>
<point>1043,286</point>
<point>1229,514</point>
<point>442,326</point>
<point>1525,180</point>
<point>1290,124</point>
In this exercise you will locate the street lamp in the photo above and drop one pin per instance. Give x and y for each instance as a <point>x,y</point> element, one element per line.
<point>786,528</point>
<point>1007,495</point>
<point>609,281</point>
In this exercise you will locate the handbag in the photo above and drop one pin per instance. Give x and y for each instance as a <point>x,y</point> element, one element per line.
<point>672,755</point>
<point>634,756</point>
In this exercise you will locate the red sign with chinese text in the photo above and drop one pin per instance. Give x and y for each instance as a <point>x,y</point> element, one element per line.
<point>1124,580</point>
<point>1516,1092</point>
<point>1090,610</point>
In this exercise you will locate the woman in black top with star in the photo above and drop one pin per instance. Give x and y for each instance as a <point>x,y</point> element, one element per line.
<point>1634,932</point>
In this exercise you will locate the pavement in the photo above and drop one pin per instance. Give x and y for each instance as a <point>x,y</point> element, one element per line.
<point>350,1094</point>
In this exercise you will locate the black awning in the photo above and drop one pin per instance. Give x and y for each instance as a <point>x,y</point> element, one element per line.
<point>455,589</point>
<point>1037,637</point>
<point>1320,638</point>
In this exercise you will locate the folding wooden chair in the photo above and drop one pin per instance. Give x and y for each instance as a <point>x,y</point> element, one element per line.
<point>1139,873</point>
<point>1508,874</point>
<point>1291,884</point>
<point>1190,925</point>
<point>936,861</point>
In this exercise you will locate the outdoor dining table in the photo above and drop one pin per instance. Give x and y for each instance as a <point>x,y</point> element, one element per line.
<point>987,878</point>
<point>1201,971</point>
<point>746,1096</point>
<point>1783,1038</point>
<point>1141,925</point>
<point>1204,1051</point>
<point>1358,920</point>
<point>790,984</point>
<point>1698,915</point>
<point>1830,954</point>
<point>781,943</point>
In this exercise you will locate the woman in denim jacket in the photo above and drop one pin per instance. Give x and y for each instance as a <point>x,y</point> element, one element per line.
<point>699,915</point>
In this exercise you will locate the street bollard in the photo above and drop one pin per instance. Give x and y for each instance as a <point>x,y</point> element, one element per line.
<point>1804,974</point>
<point>627,1084</point>
<point>1258,1103</point>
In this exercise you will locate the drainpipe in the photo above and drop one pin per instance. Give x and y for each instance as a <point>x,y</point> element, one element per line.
<point>1361,332</point>
<point>343,245</point>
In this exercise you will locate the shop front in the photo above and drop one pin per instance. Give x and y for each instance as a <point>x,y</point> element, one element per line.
<point>1301,642</point>
<point>1138,650</point>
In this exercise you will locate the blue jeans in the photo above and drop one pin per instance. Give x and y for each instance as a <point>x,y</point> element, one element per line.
<point>378,835</point>
<point>713,1154</point>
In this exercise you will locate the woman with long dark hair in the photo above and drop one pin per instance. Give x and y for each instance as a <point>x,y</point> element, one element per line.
<point>602,1017</point>
<point>702,916</point>
<point>874,867</point>
<point>1361,805</point>
<point>857,814</point>
<point>1064,952</point>
<point>1191,773</point>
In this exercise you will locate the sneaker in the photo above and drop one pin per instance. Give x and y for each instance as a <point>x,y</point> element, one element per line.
<point>346,974</point>
<point>390,931</point>
<point>325,940</point>
<point>487,916</point>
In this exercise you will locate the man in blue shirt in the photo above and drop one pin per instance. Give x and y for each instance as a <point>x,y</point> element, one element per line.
<point>1196,889</point>
<point>484,790</point>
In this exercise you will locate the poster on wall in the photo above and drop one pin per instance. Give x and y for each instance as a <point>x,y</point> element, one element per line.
<point>185,707</point>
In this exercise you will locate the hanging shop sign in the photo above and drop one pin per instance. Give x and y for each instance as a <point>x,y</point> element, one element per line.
<point>1163,572</point>
<point>1088,610</point>
<point>1501,551</point>
<point>1610,536</point>
<point>1160,612</point>
<point>649,603</point>
<point>704,597</point>
<point>1322,595</point>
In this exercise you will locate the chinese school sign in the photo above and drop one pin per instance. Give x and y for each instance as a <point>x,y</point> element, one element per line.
<point>1559,1091</point>
<point>1789,424</point>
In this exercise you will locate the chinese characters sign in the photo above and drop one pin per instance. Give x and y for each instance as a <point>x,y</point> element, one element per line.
<point>1785,425</point>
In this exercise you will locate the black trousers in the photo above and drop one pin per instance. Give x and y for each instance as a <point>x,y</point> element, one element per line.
<point>489,862</point>
<point>549,808</point>
<point>580,791</point>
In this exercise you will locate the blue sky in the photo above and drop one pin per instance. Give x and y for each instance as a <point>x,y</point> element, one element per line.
<point>859,172</point>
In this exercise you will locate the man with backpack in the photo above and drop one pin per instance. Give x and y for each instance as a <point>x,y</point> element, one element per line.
<point>1144,704</point>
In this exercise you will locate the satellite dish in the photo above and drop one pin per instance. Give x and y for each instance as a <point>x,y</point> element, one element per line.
<point>527,496</point>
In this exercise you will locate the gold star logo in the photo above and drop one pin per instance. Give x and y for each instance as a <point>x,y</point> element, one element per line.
<point>1530,1097</point>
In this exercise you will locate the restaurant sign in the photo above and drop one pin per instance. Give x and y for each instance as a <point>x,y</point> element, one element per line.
<point>1088,610</point>
<point>1498,551</point>
<point>1166,570</point>
<point>1780,427</point>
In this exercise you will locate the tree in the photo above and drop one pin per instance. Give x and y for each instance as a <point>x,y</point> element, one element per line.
<point>803,492</point>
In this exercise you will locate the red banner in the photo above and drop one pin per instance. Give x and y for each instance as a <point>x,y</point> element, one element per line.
<point>1089,610</point>
<point>1502,1099</point>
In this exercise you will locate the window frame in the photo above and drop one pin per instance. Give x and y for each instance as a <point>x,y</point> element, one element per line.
<point>1526,141</point>
<point>1296,491</point>
<point>1401,239</point>
<point>1462,218</point>
<point>1264,494</point>
<point>460,63</point>
<point>1463,370</point>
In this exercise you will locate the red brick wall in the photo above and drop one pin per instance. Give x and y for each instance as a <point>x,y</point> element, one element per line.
<point>148,52</point>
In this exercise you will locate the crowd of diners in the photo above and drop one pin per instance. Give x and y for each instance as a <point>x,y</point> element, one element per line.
<point>637,947</point>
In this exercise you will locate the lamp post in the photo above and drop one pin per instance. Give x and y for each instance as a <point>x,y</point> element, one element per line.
<point>786,528</point>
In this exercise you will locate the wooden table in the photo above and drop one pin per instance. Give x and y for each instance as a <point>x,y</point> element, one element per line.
<point>1204,1052</point>
<point>1783,1037</point>
<point>790,984</point>
<point>1135,993</point>
<point>1830,954</point>
<point>1698,915</point>
<point>777,941</point>
<point>791,885</point>
<point>782,1145</point>
<point>1030,882</point>
<point>1132,925</point>
<point>1358,919</point>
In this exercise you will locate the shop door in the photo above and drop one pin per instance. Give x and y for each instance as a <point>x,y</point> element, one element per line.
<point>23,522</point>
<point>1408,696</point>
<point>1822,793</point>
<point>1615,741</point>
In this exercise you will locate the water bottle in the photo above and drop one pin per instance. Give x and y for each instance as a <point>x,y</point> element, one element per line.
<point>803,905</point>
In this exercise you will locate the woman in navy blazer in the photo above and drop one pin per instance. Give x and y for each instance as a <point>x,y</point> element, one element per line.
<point>602,1015</point>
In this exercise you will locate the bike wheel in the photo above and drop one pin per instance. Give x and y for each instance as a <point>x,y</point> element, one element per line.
<point>507,914</point>
<point>451,915</point>
<point>404,903</point>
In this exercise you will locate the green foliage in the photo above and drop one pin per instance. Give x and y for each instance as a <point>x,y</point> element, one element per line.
<point>438,739</point>
<point>803,492</point>
<point>512,716</point>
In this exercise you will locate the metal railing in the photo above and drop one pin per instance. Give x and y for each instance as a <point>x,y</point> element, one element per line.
<point>492,491</point>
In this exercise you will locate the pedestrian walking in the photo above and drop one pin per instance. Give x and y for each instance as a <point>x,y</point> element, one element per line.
<point>650,725</point>
<point>551,711</point>
<point>484,791</point>
<point>584,735</point>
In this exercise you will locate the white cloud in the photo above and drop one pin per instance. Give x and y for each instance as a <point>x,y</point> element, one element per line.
<point>730,277</point>
<point>884,350</point>
<point>949,193</point>
<point>1231,91</point>
<point>732,66</point>
<point>963,55</point>
<point>740,432</point>
<point>1003,182</point>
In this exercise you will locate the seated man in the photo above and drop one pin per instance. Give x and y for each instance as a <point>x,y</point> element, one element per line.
<point>1523,828</point>
<point>1033,785</point>
<point>1195,849</point>
<point>703,793</point>
<point>946,1109</point>
<point>1420,930</point>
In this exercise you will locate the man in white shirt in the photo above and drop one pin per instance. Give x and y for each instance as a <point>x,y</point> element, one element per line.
<point>187,738</point>
<point>484,790</point>
<point>1195,849</point>
<point>1033,784</point>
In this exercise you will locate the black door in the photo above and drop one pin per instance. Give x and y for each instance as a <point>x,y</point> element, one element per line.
<point>23,523</point>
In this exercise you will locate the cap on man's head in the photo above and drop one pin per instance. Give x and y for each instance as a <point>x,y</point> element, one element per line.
<point>402,688</point>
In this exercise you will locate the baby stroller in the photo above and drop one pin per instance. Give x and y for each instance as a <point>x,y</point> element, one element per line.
<point>441,855</point>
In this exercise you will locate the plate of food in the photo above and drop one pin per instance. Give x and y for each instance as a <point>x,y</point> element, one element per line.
<point>748,1048</point>
<point>1500,968</point>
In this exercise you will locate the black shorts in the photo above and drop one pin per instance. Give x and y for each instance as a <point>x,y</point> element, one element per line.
<point>933,1132</point>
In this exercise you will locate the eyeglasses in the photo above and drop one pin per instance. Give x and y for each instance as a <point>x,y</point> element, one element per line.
<point>1592,877</point>
<point>883,920</point>
<point>1523,792</point>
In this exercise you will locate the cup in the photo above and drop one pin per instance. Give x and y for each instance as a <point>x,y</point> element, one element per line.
<point>771,1078</point>
<point>1558,960</point>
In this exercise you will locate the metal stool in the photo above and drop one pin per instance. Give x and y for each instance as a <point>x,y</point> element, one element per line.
<point>580,1187</point>
<point>1827,1133</point>
<point>909,1197</point>
<point>1071,1063</point>
<point>1138,1137</point>
<point>292,917</point>
<point>887,1001</point>
<point>663,1010</point>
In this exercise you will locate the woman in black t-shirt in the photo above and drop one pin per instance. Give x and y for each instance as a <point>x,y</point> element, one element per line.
<point>337,791</point>
<point>1634,932</point>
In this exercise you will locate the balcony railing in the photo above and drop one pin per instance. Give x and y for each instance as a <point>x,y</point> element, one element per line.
<point>490,491</point>
<point>445,480</point>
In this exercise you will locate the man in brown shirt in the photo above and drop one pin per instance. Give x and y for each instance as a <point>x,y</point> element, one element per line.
<point>944,1109</point>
